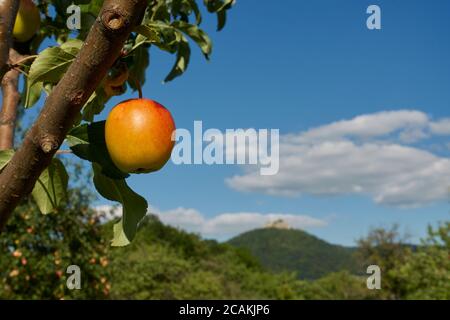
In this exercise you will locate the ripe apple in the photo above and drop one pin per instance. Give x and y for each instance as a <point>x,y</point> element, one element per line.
<point>138,134</point>
<point>27,21</point>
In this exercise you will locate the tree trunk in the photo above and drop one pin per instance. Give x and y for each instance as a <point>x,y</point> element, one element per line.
<point>10,101</point>
<point>8,12</point>
<point>99,52</point>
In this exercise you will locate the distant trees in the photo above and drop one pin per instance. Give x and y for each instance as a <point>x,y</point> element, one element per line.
<point>386,248</point>
<point>425,273</point>
<point>421,272</point>
<point>166,263</point>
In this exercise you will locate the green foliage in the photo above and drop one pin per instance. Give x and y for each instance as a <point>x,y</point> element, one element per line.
<point>5,156</point>
<point>165,263</point>
<point>337,286</point>
<point>387,249</point>
<point>88,142</point>
<point>49,67</point>
<point>35,251</point>
<point>133,205</point>
<point>50,189</point>
<point>425,273</point>
<point>422,272</point>
<point>296,251</point>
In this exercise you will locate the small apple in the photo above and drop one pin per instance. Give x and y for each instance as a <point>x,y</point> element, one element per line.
<point>138,134</point>
<point>27,21</point>
<point>114,83</point>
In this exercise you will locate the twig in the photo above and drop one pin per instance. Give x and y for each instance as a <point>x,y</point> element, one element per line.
<point>26,58</point>
<point>21,71</point>
<point>64,152</point>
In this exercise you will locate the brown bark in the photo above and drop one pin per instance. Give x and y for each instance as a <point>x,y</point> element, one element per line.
<point>8,12</point>
<point>100,50</point>
<point>10,101</point>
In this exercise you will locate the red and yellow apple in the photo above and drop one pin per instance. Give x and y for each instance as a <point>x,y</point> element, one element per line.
<point>27,21</point>
<point>138,134</point>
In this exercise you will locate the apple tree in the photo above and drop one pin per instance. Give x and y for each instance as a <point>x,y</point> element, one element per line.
<point>77,72</point>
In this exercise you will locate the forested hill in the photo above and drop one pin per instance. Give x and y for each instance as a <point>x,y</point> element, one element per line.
<point>295,250</point>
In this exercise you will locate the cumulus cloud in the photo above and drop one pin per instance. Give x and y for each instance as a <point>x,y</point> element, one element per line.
<point>370,126</point>
<point>369,155</point>
<point>229,224</point>
<point>441,127</point>
<point>222,225</point>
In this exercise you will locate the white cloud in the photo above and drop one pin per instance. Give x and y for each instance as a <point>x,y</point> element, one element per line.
<point>371,125</point>
<point>353,157</point>
<point>229,224</point>
<point>108,212</point>
<point>223,225</point>
<point>441,127</point>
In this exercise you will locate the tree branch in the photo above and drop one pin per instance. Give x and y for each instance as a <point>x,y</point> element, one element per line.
<point>99,52</point>
<point>11,98</point>
<point>8,12</point>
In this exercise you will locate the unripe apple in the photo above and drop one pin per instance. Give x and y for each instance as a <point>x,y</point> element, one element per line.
<point>138,134</point>
<point>27,21</point>
<point>114,83</point>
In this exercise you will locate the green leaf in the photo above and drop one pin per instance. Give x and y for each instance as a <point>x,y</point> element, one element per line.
<point>168,36</point>
<point>172,40</point>
<point>184,8</point>
<point>134,206</point>
<point>72,46</point>
<point>182,61</point>
<point>53,62</point>
<point>138,66</point>
<point>119,237</point>
<point>160,11</point>
<point>196,34</point>
<point>149,32</point>
<point>33,94</point>
<point>51,187</point>
<point>220,7</point>
<point>196,10</point>
<point>5,157</point>
<point>48,87</point>
<point>93,7</point>
<point>221,19</point>
<point>87,141</point>
<point>94,105</point>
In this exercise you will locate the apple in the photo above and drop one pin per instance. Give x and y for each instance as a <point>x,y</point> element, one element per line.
<point>138,134</point>
<point>114,83</point>
<point>27,21</point>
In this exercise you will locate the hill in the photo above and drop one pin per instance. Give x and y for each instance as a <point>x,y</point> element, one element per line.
<point>282,250</point>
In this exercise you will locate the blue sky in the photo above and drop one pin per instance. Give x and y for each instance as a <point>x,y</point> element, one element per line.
<point>299,66</point>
